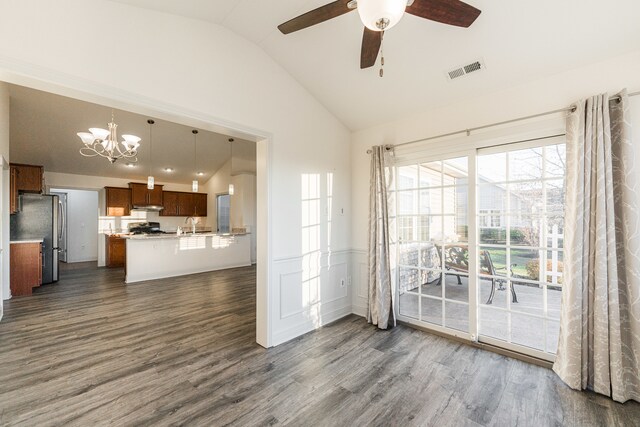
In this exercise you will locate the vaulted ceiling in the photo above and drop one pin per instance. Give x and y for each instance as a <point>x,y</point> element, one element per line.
<point>519,41</point>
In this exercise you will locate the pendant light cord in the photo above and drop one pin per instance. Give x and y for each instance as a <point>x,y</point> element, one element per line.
<point>195,150</point>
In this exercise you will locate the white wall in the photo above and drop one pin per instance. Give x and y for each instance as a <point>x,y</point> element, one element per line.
<point>543,95</point>
<point>5,291</point>
<point>82,225</point>
<point>204,72</point>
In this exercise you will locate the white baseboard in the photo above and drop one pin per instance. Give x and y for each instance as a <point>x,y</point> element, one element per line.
<point>301,329</point>
<point>359,310</point>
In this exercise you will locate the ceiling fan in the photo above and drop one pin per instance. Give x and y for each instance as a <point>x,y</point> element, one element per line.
<point>380,15</point>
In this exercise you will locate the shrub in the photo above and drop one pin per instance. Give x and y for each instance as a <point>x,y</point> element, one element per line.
<point>533,269</point>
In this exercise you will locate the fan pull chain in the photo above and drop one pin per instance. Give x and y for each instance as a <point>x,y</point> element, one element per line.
<point>382,54</point>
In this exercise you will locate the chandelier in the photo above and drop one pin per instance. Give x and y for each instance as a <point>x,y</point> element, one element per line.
<point>104,143</point>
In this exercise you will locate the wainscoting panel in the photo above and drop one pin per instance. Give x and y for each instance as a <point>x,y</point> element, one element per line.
<point>312,290</point>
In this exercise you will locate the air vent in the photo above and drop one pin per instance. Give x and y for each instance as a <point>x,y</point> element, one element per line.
<point>462,71</point>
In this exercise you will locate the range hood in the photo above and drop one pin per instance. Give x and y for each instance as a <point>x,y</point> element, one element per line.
<point>148,208</point>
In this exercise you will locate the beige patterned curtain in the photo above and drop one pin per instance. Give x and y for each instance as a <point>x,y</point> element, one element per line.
<point>381,295</point>
<point>599,346</point>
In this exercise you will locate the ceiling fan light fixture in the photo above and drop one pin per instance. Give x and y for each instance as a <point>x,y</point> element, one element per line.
<point>380,15</point>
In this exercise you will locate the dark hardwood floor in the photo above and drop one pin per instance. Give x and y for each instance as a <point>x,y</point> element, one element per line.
<point>91,351</point>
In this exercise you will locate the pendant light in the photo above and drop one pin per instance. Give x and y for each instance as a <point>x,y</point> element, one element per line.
<point>150,180</point>
<point>231,188</point>
<point>194,184</point>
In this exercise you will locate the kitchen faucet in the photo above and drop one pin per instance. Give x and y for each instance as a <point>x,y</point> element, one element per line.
<point>193,223</point>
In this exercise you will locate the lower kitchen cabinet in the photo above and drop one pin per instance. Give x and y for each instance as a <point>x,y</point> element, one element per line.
<point>26,267</point>
<point>116,251</point>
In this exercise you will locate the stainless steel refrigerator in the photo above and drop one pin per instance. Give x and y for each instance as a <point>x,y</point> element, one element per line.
<point>39,218</point>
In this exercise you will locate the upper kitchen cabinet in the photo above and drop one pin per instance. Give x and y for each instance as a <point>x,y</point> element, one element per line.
<point>29,178</point>
<point>118,201</point>
<point>24,179</point>
<point>200,204</point>
<point>142,197</point>
<point>185,204</point>
<point>177,203</point>
<point>170,203</point>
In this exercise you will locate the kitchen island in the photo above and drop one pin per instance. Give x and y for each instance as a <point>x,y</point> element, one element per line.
<point>151,257</point>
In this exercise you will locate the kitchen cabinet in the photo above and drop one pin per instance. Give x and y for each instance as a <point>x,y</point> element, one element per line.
<point>115,251</point>
<point>185,204</point>
<point>170,203</point>
<point>29,178</point>
<point>142,196</point>
<point>118,201</point>
<point>177,203</point>
<point>23,179</point>
<point>25,262</point>
<point>200,204</point>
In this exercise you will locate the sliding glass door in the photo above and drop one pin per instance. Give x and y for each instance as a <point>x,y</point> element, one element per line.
<point>479,244</point>
<point>520,216</point>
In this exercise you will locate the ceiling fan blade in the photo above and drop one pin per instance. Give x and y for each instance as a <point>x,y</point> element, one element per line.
<point>452,12</point>
<point>316,16</point>
<point>371,41</point>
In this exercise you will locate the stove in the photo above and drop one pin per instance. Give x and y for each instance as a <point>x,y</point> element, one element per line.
<point>145,228</point>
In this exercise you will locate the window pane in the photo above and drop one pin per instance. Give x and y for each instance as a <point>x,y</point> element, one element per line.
<point>431,201</point>
<point>554,296</point>
<point>525,263</point>
<point>407,231</point>
<point>409,254</point>
<point>457,168</point>
<point>430,256</point>
<point>409,305</point>
<point>431,174</point>
<point>555,160</point>
<point>456,286</point>
<point>432,310</point>
<point>493,323</point>
<point>492,236</point>
<point>527,331</point>
<point>526,198</point>
<point>492,199</point>
<point>431,283</point>
<point>407,202</point>
<point>554,268</point>
<point>530,298</point>
<point>492,168</point>
<point>456,316</point>
<point>555,231</point>
<point>431,228</point>
<point>497,298</point>
<point>555,196</point>
<point>525,230</point>
<point>525,164</point>
<point>493,261</point>
<point>409,279</point>
<point>450,198</point>
<point>407,177</point>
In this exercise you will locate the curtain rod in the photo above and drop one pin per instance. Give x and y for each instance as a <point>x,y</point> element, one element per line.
<point>519,119</point>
